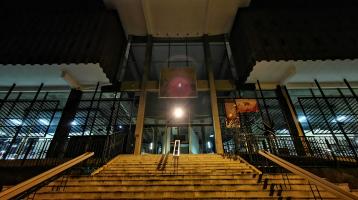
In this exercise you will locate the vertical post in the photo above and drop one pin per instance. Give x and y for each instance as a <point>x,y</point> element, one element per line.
<point>290,115</point>
<point>265,105</point>
<point>130,137</point>
<point>123,67</point>
<point>349,142</point>
<point>58,143</point>
<point>89,110</point>
<point>105,151</point>
<point>142,98</point>
<point>213,98</point>
<point>229,57</point>
<point>52,116</point>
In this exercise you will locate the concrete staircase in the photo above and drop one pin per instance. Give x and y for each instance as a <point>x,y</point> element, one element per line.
<point>205,176</point>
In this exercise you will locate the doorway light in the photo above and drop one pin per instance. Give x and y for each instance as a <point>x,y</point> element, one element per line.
<point>178,112</point>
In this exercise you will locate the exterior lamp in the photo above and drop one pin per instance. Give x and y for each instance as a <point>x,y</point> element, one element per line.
<point>178,112</point>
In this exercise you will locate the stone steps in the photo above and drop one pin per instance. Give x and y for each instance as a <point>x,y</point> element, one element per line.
<point>182,195</point>
<point>195,177</point>
<point>75,182</point>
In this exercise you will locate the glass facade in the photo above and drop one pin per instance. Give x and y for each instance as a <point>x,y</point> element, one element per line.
<point>27,125</point>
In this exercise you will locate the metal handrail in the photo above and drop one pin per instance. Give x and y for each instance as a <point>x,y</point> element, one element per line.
<point>176,150</point>
<point>28,184</point>
<point>340,193</point>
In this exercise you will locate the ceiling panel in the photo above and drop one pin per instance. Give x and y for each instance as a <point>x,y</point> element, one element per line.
<point>177,18</point>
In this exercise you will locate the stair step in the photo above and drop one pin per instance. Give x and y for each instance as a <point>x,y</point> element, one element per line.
<point>208,176</point>
<point>77,182</point>
<point>181,195</point>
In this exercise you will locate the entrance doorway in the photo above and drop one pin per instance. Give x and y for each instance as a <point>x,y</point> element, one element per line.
<point>192,125</point>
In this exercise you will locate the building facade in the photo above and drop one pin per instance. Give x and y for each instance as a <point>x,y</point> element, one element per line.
<point>86,76</point>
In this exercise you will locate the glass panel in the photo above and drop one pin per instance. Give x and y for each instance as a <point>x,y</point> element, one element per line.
<point>193,127</point>
<point>177,54</point>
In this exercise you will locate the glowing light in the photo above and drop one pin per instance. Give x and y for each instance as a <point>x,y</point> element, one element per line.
<point>74,123</point>
<point>178,112</point>
<point>17,122</point>
<point>211,135</point>
<point>209,145</point>
<point>44,122</point>
<point>302,119</point>
<point>179,85</point>
<point>151,146</point>
<point>120,126</point>
<point>341,118</point>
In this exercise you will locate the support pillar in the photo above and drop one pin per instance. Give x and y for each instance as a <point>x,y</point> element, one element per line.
<point>142,98</point>
<point>294,125</point>
<point>57,146</point>
<point>213,98</point>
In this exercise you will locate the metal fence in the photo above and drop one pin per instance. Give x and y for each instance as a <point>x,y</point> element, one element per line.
<point>316,149</point>
<point>320,119</point>
<point>24,118</point>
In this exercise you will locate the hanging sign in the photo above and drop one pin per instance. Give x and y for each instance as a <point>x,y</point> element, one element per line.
<point>246,105</point>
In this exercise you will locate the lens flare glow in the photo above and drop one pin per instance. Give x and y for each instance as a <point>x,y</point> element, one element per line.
<point>178,112</point>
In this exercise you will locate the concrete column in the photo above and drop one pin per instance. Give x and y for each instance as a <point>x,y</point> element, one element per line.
<point>213,98</point>
<point>57,146</point>
<point>142,99</point>
<point>294,125</point>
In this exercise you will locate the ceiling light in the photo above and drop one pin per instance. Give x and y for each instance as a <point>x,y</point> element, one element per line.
<point>44,122</point>
<point>341,118</point>
<point>302,119</point>
<point>74,123</point>
<point>17,122</point>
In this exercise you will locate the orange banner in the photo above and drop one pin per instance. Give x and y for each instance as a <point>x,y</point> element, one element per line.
<point>246,105</point>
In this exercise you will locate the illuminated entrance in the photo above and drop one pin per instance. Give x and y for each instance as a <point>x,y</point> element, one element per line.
<point>187,120</point>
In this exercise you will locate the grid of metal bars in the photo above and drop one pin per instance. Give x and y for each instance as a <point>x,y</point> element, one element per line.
<point>35,123</point>
<point>270,114</point>
<point>320,119</point>
<point>102,116</point>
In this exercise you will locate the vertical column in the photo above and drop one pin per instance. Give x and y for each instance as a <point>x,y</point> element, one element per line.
<point>213,97</point>
<point>57,146</point>
<point>292,121</point>
<point>142,98</point>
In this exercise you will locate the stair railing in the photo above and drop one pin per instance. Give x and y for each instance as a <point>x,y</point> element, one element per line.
<point>176,150</point>
<point>43,177</point>
<point>337,191</point>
